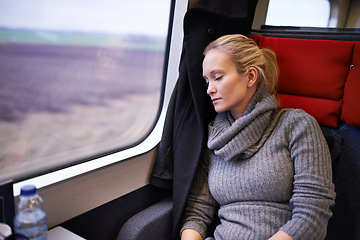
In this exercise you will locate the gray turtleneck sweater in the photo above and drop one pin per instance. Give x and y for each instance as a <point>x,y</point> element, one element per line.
<point>267,171</point>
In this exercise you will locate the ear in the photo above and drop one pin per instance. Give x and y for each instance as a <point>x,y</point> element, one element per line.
<point>252,75</point>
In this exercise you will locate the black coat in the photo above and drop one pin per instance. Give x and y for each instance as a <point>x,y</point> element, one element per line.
<point>190,109</point>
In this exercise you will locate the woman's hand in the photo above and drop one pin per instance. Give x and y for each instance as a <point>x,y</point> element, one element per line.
<point>281,235</point>
<point>190,234</point>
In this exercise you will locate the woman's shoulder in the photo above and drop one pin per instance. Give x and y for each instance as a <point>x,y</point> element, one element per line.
<point>298,118</point>
<point>296,114</point>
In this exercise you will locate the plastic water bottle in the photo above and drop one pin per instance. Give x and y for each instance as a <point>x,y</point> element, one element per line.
<point>30,219</point>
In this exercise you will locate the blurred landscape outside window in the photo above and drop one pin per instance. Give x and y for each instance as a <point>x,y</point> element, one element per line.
<point>298,13</point>
<point>78,79</point>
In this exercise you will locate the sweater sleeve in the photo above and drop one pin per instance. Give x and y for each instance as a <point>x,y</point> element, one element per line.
<point>313,190</point>
<point>200,207</point>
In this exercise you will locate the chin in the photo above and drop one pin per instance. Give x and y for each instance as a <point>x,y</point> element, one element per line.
<point>219,110</point>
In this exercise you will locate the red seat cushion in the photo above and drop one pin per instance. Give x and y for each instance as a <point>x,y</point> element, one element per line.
<point>351,107</point>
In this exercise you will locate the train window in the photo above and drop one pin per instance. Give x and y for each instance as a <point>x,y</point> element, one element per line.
<point>300,13</point>
<point>78,79</point>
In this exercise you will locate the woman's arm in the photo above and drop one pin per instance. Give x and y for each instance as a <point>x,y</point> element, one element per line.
<point>190,234</point>
<point>200,206</point>
<point>313,192</point>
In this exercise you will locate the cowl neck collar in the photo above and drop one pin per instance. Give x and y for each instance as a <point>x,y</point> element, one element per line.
<point>243,137</point>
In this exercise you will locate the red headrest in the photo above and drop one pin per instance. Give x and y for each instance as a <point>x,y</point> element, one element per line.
<point>312,74</point>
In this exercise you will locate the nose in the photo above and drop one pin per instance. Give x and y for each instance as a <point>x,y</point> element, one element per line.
<point>210,89</point>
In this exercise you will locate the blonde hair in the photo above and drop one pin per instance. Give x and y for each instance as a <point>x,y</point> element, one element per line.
<point>245,53</point>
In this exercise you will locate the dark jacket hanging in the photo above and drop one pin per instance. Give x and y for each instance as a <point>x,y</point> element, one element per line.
<point>190,109</point>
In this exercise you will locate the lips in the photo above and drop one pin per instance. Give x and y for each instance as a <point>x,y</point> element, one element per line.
<point>215,100</point>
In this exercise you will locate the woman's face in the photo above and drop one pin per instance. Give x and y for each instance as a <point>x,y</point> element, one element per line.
<point>228,89</point>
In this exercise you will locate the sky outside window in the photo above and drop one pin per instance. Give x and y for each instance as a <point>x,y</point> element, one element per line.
<point>105,16</point>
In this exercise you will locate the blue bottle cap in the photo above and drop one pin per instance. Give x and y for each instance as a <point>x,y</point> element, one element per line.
<point>28,190</point>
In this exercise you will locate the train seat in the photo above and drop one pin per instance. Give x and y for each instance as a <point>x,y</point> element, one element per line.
<point>321,76</point>
<point>152,223</point>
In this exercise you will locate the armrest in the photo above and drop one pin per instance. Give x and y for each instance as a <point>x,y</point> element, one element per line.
<point>154,222</point>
